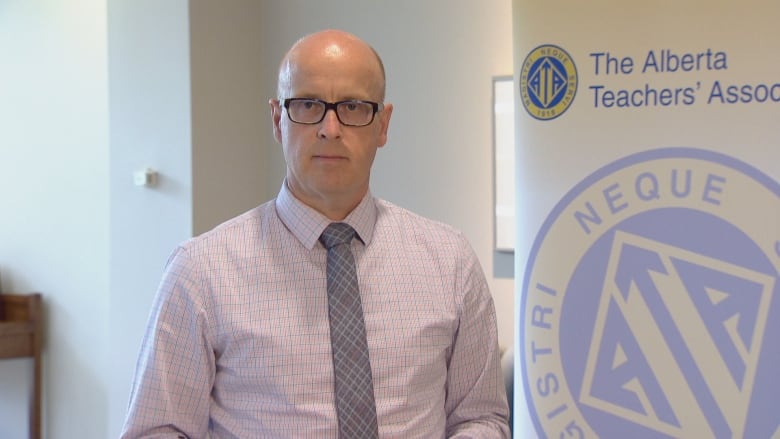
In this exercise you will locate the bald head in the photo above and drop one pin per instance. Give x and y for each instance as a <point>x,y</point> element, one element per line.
<point>331,52</point>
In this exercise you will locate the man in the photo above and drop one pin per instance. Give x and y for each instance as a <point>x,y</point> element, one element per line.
<point>239,340</point>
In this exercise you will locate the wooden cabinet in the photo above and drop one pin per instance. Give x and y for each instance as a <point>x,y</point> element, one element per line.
<point>21,328</point>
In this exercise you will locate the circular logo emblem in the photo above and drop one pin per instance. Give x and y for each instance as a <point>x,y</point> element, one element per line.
<point>548,82</point>
<point>651,302</point>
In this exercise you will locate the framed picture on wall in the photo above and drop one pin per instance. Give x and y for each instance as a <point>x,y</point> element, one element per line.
<point>504,162</point>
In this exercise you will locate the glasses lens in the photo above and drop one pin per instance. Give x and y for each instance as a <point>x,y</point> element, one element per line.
<point>305,110</point>
<point>355,113</point>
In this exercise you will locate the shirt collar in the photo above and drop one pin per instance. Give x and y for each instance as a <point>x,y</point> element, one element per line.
<point>306,224</point>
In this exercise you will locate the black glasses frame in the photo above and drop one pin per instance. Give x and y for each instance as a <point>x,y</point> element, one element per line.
<point>375,106</point>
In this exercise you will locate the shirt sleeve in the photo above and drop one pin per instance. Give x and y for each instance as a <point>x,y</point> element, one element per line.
<point>476,403</point>
<point>171,390</point>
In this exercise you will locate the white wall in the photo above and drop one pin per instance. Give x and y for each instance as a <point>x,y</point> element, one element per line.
<point>54,220</point>
<point>186,85</point>
<point>150,125</point>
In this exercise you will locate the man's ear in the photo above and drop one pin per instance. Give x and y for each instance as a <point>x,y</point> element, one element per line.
<point>384,120</point>
<point>276,118</point>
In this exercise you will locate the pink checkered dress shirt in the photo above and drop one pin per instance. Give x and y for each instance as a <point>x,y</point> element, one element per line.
<point>237,345</point>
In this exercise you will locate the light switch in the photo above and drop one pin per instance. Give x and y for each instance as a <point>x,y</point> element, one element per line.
<point>145,177</point>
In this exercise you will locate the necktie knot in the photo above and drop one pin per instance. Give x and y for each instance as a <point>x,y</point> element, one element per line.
<point>337,233</point>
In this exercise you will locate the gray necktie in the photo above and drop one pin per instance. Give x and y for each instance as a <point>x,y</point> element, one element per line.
<point>354,387</point>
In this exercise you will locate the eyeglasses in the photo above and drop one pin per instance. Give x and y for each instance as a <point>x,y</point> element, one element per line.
<point>353,113</point>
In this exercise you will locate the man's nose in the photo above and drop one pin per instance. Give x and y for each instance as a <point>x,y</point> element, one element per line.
<point>330,127</point>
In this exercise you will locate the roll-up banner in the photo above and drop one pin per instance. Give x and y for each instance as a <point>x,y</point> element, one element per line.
<point>648,219</point>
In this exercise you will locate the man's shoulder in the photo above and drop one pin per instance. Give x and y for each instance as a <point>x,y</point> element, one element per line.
<point>235,229</point>
<point>393,215</point>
